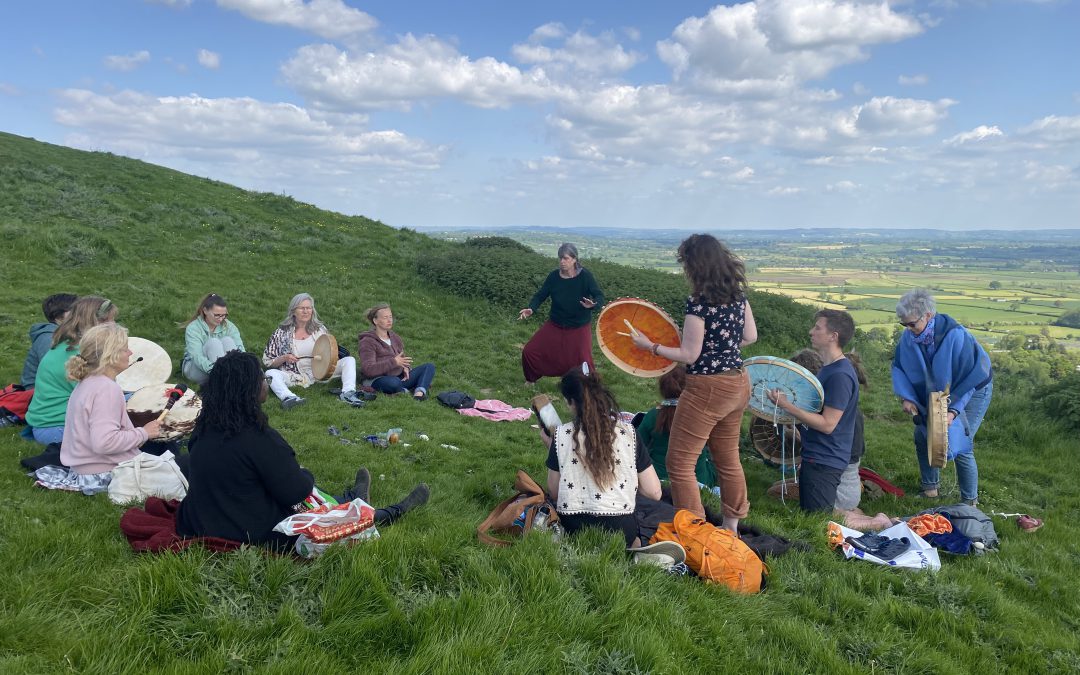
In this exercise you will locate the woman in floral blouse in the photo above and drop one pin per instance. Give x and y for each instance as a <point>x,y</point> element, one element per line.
<point>718,324</point>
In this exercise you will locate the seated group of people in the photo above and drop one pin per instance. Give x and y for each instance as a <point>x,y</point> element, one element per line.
<point>289,352</point>
<point>243,477</point>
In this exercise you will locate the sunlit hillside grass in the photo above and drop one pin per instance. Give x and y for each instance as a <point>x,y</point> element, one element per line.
<point>427,597</point>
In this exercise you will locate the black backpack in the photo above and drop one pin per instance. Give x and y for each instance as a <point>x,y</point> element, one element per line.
<point>456,399</point>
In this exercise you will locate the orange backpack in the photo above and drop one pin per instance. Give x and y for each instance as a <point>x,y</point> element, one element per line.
<point>715,554</point>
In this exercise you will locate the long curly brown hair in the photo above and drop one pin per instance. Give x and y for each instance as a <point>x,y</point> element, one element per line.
<point>594,411</point>
<point>717,276</point>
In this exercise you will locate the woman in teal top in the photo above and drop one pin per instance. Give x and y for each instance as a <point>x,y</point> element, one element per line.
<point>655,426</point>
<point>209,336</point>
<point>52,388</point>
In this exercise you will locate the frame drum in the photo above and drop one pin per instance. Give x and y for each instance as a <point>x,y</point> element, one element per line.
<point>324,357</point>
<point>937,430</point>
<point>769,443</point>
<point>155,367</point>
<point>146,405</point>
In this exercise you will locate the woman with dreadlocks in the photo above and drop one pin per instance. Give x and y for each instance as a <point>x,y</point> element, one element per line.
<point>244,478</point>
<point>596,466</point>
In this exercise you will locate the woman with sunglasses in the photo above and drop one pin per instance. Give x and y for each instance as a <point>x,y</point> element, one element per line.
<point>936,353</point>
<point>209,336</point>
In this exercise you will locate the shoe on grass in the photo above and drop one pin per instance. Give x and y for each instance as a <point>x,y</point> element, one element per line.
<point>1028,523</point>
<point>665,554</point>
<point>291,402</point>
<point>362,486</point>
<point>351,398</point>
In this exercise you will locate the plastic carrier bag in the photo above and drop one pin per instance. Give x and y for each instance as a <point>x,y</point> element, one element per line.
<point>326,525</point>
<point>919,555</point>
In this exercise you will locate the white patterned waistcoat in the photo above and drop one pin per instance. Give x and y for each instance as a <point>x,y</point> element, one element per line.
<point>578,492</point>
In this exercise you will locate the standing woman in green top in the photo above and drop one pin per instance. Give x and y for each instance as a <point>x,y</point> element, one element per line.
<point>52,388</point>
<point>209,336</point>
<point>655,428</point>
<point>564,341</point>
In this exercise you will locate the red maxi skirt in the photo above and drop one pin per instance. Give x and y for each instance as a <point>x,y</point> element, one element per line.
<point>553,351</point>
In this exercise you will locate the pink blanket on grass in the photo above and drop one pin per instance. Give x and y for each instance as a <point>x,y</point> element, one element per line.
<point>496,411</point>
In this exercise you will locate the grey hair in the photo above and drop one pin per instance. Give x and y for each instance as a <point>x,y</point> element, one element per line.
<point>570,250</point>
<point>915,303</point>
<point>289,321</point>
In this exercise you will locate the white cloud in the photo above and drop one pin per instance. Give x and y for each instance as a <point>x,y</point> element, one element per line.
<point>235,129</point>
<point>913,80</point>
<point>842,186</point>
<point>1048,176</point>
<point>414,69</point>
<point>889,116</point>
<point>1054,129</point>
<point>784,191</point>
<point>742,175</point>
<point>578,51</point>
<point>127,63</point>
<point>979,133</point>
<point>767,47</point>
<point>209,59</point>
<point>330,19</point>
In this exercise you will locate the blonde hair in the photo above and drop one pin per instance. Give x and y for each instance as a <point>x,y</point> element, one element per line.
<point>100,347</point>
<point>86,313</point>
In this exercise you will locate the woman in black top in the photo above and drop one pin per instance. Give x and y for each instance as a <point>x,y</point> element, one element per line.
<point>565,339</point>
<point>244,478</point>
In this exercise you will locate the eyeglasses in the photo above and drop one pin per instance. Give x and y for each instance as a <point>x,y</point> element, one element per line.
<point>221,316</point>
<point>910,324</point>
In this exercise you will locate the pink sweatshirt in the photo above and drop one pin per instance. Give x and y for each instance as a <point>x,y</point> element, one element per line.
<point>98,434</point>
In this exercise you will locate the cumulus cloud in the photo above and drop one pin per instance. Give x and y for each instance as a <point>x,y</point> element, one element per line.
<point>414,69</point>
<point>209,59</point>
<point>913,80</point>
<point>578,52</point>
<point>781,191</point>
<point>127,63</point>
<point>330,19</point>
<point>842,186</point>
<point>194,127</point>
<point>1054,129</point>
<point>889,116</point>
<point>769,46</point>
<point>979,133</point>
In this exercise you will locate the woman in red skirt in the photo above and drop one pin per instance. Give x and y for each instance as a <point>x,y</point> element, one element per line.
<point>565,339</point>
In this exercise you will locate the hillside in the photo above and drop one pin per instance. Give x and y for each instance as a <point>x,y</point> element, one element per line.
<point>426,597</point>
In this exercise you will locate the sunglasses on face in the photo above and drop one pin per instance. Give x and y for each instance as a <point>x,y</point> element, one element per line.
<point>910,324</point>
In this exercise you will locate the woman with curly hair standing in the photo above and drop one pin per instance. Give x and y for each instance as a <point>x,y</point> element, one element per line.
<point>718,324</point>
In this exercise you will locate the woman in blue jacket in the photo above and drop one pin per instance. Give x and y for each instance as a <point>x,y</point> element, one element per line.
<point>936,352</point>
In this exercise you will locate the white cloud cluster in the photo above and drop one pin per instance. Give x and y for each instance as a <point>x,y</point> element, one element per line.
<point>979,133</point>
<point>127,63</point>
<point>208,59</point>
<point>578,53</point>
<point>770,46</point>
<point>413,69</point>
<point>330,19</point>
<point>886,116</point>
<point>1054,129</point>
<point>236,129</point>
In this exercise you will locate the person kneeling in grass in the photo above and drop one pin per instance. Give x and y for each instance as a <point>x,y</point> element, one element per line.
<point>828,437</point>
<point>244,478</point>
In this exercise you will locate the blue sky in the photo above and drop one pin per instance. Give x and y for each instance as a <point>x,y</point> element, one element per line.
<point>946,114</point>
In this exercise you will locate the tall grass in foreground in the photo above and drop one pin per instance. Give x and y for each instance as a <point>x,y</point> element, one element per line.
<point>426,597</point>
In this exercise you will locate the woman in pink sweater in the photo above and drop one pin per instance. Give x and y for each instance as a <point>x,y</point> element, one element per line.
<point>98,434</point>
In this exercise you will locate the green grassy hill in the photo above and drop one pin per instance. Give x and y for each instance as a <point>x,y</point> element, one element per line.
<point>427,597</point>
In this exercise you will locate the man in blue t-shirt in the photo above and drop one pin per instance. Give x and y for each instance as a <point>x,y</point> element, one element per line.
<point>827,436</point>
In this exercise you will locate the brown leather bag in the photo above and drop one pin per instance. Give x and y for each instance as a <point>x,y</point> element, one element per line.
<point>528,499</point>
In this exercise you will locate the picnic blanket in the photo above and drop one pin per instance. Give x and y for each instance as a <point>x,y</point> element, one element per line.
<point>152,529</point>
<point>496,411</point>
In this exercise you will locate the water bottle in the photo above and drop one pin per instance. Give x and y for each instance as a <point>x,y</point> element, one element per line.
<point>541,519</point>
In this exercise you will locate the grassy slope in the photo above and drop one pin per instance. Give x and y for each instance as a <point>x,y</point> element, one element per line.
<point>427,597</point>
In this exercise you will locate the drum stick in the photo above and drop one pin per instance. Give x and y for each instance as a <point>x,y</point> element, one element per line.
<point>175,394</point>
<point>619,332</point>
<point>631,327</point>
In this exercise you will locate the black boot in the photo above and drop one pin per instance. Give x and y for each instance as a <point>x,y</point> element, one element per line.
<point>417,497</point>
<point>362,486</point>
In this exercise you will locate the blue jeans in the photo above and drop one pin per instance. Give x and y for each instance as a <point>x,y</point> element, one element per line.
<point>47,435</point>
<point>420,379</point>
<point>967,472</point>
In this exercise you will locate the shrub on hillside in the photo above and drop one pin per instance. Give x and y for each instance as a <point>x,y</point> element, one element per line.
<point>1063,400</point>
<point>497,242</point>
<point>1069,319</point>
